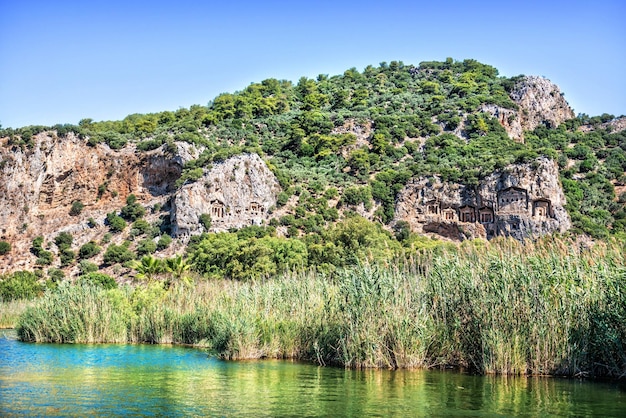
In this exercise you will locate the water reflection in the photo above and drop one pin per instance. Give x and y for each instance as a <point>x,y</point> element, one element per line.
<point>52,379</point>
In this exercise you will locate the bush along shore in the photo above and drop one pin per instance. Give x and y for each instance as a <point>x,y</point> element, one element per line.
<point>545,308</point>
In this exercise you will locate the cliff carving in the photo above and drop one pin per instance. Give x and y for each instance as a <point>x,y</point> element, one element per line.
<point>235,193</point>
<point>521,201</point>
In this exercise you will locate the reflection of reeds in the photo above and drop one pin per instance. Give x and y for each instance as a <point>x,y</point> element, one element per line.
<point>542,308</point>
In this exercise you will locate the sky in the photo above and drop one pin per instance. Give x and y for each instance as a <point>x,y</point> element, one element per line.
<point>62,61</point>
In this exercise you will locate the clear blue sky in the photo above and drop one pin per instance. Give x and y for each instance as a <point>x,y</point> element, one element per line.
<point>61,61</point>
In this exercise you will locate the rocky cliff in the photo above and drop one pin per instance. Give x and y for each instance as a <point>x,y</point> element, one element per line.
<point>540,102</point>
<point>40,184</point>
<point>521,201</point>
<point>238,192</point>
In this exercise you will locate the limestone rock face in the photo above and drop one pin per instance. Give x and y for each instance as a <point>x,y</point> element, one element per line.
<point>540,103</point>
<point>616,125</point>
<point>521,201</point>
<point>236,193</point>
<point>38,185</point>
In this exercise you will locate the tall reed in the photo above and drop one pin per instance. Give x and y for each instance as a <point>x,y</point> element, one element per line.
<point>11,310</point>
<point>549,307</point>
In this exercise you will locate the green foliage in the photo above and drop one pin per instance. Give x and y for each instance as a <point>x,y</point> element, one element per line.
<point>106,238</point>
<point>205,221</point>
<point>64,240</point>
<point>164,242</point>
<point>245,258</point>
<point>19,285</point>
<point>133,210</point>
<point>140,227</point>
<point>356,195</point>
<point>85,267</point>
<point>502,307</point>
<point>67,257</point>
<point>5,247</point>
<point>37,246</point>
<point>146,246</point>
<point>98,279</point>
<point>406,119</point>
<point>44,258</point>
<point>116,223</point>
<point>89,250</point>
<point>77,208</point>
<point>55,275</point>
<point>117,254</point>
<point>148,267</point>
<point>402,231</point>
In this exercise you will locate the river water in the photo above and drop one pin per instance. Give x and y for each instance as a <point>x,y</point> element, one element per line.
<point>153,380</point>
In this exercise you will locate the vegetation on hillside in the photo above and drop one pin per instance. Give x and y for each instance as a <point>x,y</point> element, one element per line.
<point>409,114</point>
<point>334,287</point>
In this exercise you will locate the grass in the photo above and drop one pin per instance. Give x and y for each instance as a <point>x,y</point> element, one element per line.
<point>10,312</point>
<point>546,308</point>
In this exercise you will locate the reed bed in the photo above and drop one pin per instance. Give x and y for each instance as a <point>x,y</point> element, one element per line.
<point>545,308</point>
<point>11,310</point>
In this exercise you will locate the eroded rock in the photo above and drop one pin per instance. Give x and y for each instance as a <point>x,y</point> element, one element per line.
<point>540,102</point>
<point>521,201</point>
<point>236,193</point>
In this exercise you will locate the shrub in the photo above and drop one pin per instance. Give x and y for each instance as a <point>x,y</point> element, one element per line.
<point>20,285</point>
<point>133,210</point>
<point>63,240</point>
<point>37,246</point>
<point>56,275</point>
<point>99,279</point>
<point>140,227</point>
<point>44,258</point>
<point>282,199</point>
<point>146,246</point>
<point>89,250</point>
<point>67,257</point>
<point>77,208</point>
<point>205,221</point>
<point>5,247</point>
<point>116,223</point>
<point>87,267</point>
<point>164,242</point>
<point>106,238</point>
<point>117,254</point>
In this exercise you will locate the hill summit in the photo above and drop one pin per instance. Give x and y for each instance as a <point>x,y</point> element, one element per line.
<point>323,171</point>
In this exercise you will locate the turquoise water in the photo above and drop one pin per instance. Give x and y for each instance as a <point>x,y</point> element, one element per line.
<point>110,380</point>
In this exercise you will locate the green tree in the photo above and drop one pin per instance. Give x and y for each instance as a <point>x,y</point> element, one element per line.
<point>117,254</point>
<point>178,266</point>
<point>89,250</point>
<point>205,221</point>
<point>5,247</point>
<point>133,210</point>
<point>64,240</point>
<point>77,208</point>
<point>20,285</point>
<point>116,223</point>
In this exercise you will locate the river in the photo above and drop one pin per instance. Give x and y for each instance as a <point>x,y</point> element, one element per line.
<point>153,380</point>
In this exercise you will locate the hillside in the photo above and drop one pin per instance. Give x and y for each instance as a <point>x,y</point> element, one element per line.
<point>324,172</point>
